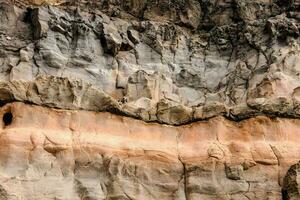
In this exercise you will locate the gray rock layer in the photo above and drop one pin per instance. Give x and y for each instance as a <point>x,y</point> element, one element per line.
<point>167,61</point>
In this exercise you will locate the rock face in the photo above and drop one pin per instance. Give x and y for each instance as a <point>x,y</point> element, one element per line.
<point>153,59</point>
<point>214,87</point>
<point>58,154</point>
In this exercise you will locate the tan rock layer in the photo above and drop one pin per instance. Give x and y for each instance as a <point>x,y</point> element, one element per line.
<point>59,154</point>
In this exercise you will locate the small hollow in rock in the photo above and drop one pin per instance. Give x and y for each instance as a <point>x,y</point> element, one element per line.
<point>7,118</point>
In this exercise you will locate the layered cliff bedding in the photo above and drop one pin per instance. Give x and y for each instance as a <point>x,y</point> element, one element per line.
<point>150,99</point>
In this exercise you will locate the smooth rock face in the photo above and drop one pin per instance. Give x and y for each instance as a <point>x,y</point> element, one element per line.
<point>214,87</point>
<point>58,154</point>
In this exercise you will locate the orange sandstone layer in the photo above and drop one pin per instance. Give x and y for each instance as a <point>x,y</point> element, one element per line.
<point>59,154</point>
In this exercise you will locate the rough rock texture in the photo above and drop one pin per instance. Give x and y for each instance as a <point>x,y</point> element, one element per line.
<point>226,73</point>
<point>57,154</point>
<point>153,59</point>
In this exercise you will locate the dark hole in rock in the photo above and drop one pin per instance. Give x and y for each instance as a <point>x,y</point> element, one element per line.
<point>284,195</point>
<point>7,118</point>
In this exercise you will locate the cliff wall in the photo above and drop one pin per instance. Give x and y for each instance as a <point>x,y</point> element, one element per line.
<point>144,99</point>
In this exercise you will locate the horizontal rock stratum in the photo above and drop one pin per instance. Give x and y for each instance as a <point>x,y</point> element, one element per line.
<point>58,154</point>
<point>172,62</point>
<point>150,99</point>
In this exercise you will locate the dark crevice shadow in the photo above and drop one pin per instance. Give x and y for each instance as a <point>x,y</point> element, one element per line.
<point>7,118</point>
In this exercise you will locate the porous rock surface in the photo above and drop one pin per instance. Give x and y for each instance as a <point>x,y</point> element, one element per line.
<point>226,73</point>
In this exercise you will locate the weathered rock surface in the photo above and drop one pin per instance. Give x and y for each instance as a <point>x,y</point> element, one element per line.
<point>226,73</point>
<point>153,59</point>
<point>58,154</point>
